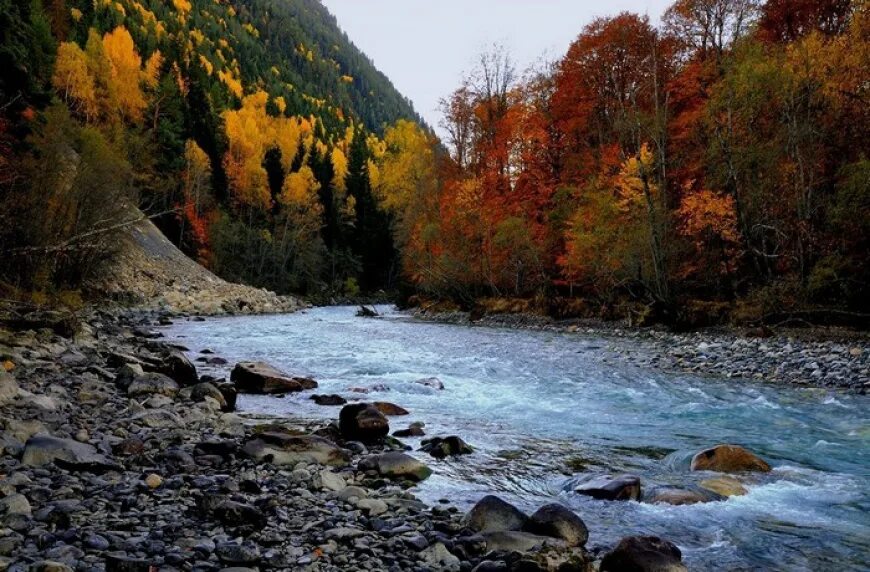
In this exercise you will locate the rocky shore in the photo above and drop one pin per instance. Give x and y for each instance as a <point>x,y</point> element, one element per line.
<point>836,360</point>
<point>118,455</point>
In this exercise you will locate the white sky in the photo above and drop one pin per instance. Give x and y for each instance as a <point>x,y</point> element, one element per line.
<point>426,46</point>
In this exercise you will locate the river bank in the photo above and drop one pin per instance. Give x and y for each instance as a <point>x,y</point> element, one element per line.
<point>118,455</point>
<point>833,359</point>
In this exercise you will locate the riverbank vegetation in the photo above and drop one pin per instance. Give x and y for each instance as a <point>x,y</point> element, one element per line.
<point>709,168</point>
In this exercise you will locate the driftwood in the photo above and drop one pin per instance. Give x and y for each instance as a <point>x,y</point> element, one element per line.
<point>819,317</point>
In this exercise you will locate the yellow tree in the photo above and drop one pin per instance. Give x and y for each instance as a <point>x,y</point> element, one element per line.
<point>73,81</point>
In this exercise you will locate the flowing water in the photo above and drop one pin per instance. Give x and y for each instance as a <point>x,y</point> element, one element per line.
<point>543,409</point>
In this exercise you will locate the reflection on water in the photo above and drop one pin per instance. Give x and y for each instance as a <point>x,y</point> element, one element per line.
<point>543,408</point>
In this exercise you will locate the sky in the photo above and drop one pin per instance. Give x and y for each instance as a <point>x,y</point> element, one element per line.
<point>426,46</point>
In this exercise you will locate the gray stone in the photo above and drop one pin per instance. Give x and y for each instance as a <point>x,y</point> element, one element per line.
<point>283,449</point>
<point>493,514</point>
<point>66,453</point>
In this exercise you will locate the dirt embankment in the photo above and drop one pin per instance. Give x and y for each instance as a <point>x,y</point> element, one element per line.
<point>150,272</point>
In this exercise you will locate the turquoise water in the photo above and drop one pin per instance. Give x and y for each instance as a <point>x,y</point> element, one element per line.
<point>544,409</point>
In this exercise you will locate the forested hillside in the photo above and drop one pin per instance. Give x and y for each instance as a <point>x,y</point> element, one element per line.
<point>710,168</point>
<point>244,128</point>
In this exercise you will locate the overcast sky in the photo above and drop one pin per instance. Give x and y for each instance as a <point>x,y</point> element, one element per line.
<point>425,46</point>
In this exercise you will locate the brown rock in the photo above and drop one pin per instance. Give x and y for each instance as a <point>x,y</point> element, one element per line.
<point>390,409</point>
<point>728,459</point>
<point>259,377</point>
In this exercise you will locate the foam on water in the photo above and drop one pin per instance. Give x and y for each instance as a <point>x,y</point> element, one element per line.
<point>542,409</point>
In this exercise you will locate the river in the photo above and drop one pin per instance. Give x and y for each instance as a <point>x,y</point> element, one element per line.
<point>542,409</point>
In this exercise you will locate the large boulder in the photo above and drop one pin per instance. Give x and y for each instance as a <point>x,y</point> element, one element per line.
<point>396,465</point>
<point>262,378</point>
<point>643,554</point>
<point>441,448</point>
<point>152,384</point>
<point>557,521</point>
<point>362,422</point>
<point>178,367</point>
<point>728,459</point>
<point>492,514</point>
<point>608,487</point>
<point>65,453</point>
<point>283,449</point>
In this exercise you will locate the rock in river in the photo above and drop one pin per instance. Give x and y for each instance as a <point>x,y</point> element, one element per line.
<point>329,400</point>
<point>493,514</point>
<point>557,521</point>
<point>728,459</point>
<point>643,554</point>
<point>441,448</point>
<point>725,486</point>
<point>178,367</point>
<point>680,496</point>
<point>362,422</point>
<point>259,377</point>
<point>283,449</point>
<point>607,487</point>
<point>390,409</point>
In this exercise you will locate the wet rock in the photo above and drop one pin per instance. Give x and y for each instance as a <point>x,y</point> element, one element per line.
<point>262,378</point>
<point>65,453</point>
<point>282,449</point>
<point>441,448</point>
<point>725,486</point>
<point>390,409</point>
<point>492,514</point>
<point>414,430</point>
<point>362,422</point>
<point>329,400</point>
<point>396,465</point>
<point>643,554</point>
<point>607,487</point>
<point>728,459</point>
<point>432,382</point>
<point>178,367</point>
<point>680,496</point>
<point>152,384</point>
<point>557,521</point>
<point>202,390</point>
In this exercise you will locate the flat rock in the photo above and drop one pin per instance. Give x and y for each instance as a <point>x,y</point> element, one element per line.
<point>729,459</point>
<point>390,409</point>
<point>283,449</point>
<point>517,541</point>
<point>65,453</point>
<point>262,378</point>
<point>397,465</point>
<point>329,400</point>
<point>680,496</point>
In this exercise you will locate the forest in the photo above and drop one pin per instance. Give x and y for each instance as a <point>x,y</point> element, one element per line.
<point>708,168</point>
